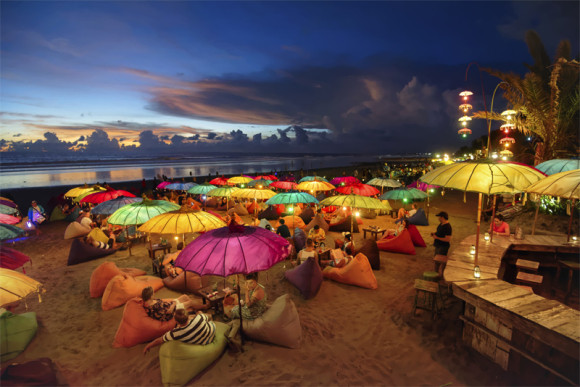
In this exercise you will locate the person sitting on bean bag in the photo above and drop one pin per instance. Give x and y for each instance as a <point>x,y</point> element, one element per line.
<point>197,329</point>
<point>307,252</point>
<point>393,232</point>
<point>169,262</point>
<point>338,259</point>
<point>111,244</point>
<point>164,310</point>
<point>317,234</point>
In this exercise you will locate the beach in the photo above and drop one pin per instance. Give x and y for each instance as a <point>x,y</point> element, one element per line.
<point>350,335</point>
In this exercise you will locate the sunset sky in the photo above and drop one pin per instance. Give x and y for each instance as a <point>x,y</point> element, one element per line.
<point>257,76</point>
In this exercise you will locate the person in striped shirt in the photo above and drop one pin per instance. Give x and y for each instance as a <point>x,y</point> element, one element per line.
<point>197,329</point>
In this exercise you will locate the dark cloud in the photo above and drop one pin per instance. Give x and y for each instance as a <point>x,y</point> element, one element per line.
<point>211,136</point>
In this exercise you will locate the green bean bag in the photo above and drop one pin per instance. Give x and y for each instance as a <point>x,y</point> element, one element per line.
<point>57,214</point>
<point>16,331</point>
<point>182,362</point>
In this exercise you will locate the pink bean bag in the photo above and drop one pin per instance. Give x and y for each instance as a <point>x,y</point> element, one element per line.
<point>136,327</point>
<point>416,236</point>
<point>122,288</point>
<point>358,272</point>
<point>104,273</point>
<point>402,243</point>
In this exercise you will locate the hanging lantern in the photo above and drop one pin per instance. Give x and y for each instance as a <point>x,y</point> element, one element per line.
<point>465,107</point>
<point>505,154</point>
<point>509,114</point>
<point>464,132</point>
<point>465,94</point>
<point>506,141</point>
<point>507,127</point>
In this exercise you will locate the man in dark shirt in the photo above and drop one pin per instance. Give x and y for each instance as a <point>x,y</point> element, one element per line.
<point>283,230</point>
<point>441,237</point>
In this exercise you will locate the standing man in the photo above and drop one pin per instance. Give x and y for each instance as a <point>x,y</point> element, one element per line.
<point>441,237</point>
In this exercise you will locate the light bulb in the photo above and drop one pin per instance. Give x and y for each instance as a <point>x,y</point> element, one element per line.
<point>472,250</point>
<point>486,236</point>
<point>344,208</point>
<point>357,213</point>
<point>176,238</point>
<point>476,272</point>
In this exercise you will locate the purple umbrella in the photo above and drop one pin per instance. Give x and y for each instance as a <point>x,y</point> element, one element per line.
<point>8,203</point>
<point>422,186</point>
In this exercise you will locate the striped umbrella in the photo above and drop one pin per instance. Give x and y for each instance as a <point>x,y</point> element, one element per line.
<point>10,232</point>
<point>8,219</point>
<point>7,210</point>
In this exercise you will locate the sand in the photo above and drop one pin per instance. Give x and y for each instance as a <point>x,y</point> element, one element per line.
<point>351,336</point>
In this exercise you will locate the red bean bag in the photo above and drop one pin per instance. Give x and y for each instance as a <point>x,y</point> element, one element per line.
<point>292,221</point>
<point>253,207</point>
<point>136,327</point>
<point>122,288</point>
<point>416,236</point>
<point>402,243</point>
<point>358,272</point>
<point>330,209</point>
<point>103,274</point>
<point>318,220</point>
<point>307,277</point>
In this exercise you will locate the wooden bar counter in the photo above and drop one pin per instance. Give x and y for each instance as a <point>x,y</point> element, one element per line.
<point>522,332</point>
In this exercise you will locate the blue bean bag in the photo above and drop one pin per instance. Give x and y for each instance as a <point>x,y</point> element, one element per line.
<point>81,252</point>
<point>17,331</point>
<point>307,277</point>
<point>419,219</point>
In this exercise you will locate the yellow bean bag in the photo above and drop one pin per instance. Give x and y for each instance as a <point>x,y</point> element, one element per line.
<point>122,288</point>
<point>75,230</point>
<point>358,272</point>
<point>98,235</point>
<point>181,362</point>
<point>104,273</point>
<point>292,221</point>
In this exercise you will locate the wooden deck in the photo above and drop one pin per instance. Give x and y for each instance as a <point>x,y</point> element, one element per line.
<point>504,320</point>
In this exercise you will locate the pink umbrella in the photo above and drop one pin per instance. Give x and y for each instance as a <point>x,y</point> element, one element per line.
<point>8,219</point>
<point>163,184</point>
<point>12,259</point>
<point>358,189</point>
<point>219,181</point>
<point>344,180</point>
<point>103,196</point>
<point>283,184</point>
<point>422,186</point>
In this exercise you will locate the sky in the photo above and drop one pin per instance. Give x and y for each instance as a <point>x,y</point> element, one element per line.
<point>146,77</point>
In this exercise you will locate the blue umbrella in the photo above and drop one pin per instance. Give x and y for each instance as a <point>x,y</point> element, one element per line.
<point>551,167</point>
<point>404,194</point>
<point>110,206</point>
<point>291,197</point>
<point>311,178</point>
<point>9,232</point>
<point>180,186</point>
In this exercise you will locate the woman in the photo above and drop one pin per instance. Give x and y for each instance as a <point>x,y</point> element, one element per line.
<point>163,310</point>
<point>307,252</point>
<point>499,226</point>
<point>36,215</point>
<point>255,300</point>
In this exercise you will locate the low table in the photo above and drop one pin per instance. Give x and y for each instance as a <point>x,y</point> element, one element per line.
<point>155,248</point>
<point>215,297</point>
<point>374,232</point>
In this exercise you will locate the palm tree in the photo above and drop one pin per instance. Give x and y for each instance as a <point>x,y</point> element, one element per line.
<point>547,98</point>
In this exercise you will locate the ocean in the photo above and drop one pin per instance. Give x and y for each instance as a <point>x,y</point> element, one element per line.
<point>46,170</point>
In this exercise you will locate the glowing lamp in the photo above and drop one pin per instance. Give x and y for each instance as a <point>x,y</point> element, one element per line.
<point>465,107</point>
<point>465,94</point>
<point>476,272</point>
<point>472,250</point>
<point>574,238</point>
<point>344,208</point>
<point>507,127</point>
<point>529,139</point>
<point>431,190</point>
<point>243,185</point>
<point>357,214</point>
<point>405,200</point>
<point>259,186</point>
<point>464,132</point>
<point>506,141</point>
<point>176,238</point>
<point>509,113</point>
<point>291,209</point>
<point>486,237</point>
<point>28,224</point>
<point>464,119</point>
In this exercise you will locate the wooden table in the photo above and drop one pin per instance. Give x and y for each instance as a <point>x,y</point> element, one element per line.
<point>374,232</point>
<point>157,247</point>
<point>215,294</point>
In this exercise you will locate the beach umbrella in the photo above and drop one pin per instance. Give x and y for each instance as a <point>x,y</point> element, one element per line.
<point>404,194</point>
<point>10,232</point>
<point>7,210</point>
<point>140,212</point>
<point>266,177</point>
<point>12,259</point>
<point>9,219</point>
<point>225,191</point>
<point>5,198</point>
<point>564,185</point>
<point>259,182</point>
<point>344,180</point>
<point>358,189</point>
<point>382,182</point>
<point>219,181</point>
<point>15,286</point>
<point>180,186</point>
<point>103,196</point>
<point>422,186</point>
<point>8,203</point>
<point>201,189</point>
<point>163,184</point>
<point>551,167</point>
<point>251,193</point>
<point>291,197</point>
<point>484,177</point>
<point>182,221</point>
<point>314,186</point>
<point>110,206</point>
<point>239,180</point>
<point>354,201</point>
<point>75,192</point>
<point>310,178</point>
<point>287,185</point>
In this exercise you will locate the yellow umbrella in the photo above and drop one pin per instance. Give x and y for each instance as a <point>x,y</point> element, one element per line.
<point>15,286</point>
<point>74,192</point>
<point>239,180</point>
<point>354,201</point>
<point>314,186</point>
<point>80,196</point>
<point>251,193</point>
<point>182,221</point>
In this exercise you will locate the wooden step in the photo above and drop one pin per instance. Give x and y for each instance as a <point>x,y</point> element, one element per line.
<point>530,278</point>
<point>528,265</point>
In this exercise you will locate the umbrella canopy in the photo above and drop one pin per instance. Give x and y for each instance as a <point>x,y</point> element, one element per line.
<point>163,184</point>
<point>310,178</point>
<point>8,203</point>
<point>15,286</point>
<point>233,250</point>
<point>563,184</point>
<point>283,185</point>
<point>354,201</point>
<point>9,232</point>
<point>110,206</point>
<point>259,182</point>
<point>487,177</point>
<point>344,180</point>
<point>7,210</point>
<point>99,197</point>
<point>5,198</point>
<point>12,259</point>
<point>266,177</point>
<point>222,191</point>
<point>81,196</point>
<point>201,189</point>
<point>182,221</point>
<point>404,194</point>
<point>292,197</point>
<point>315,186</point>
<point>219,181</point>
<point>141,212</point>
<point>8,219</point>
<point>74,192</point>
<point>239,180</point>
<point>551,167</point>
<point>250,193</point>
<point>381,182</point>
<point>422,186</point>
<point>180,186</point>
<point>358,189</point>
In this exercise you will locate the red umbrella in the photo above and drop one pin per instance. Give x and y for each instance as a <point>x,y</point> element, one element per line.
<point>283,184</point>
<point>344,180</point>
<point>163,184</point>
<point>12,259</point>
<point>266,177</point>
<point>99,197</point>
<point>358,189</point>
<point>8,219</point>
<point>219,181</point>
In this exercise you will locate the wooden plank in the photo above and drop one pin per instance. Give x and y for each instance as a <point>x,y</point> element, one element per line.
<point>506,294</point>
<point>525,264</point>
<point>529,278</point>
<point>534,307</point>
<point>489,287</point>
<point>427,286</point>
<point>515,302</point>
<point>570,329</point>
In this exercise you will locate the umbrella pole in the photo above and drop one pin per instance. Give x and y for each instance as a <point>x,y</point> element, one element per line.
<point>570,221</point>
<point>492,218</point>
<point>478,226</point>
<point>535,219</point>
<point>129,242</point>
<point>428,204</point>
<point>240,309</point>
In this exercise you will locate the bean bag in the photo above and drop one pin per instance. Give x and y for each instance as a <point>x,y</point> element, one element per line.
<point>103,274</point>
<point>419,219</point>
<point>416,236</point>
<point>211,202</point>
<point>279,325</point>
<point>252,207</point>
<point>215,214</point>
<point>263,223</point>
<point>368,214</point>
<point>307,277</point>
<point>17,331</point>
<point>329,209</point>
<point>369,249</point>
<point>386,210</point>
<point>344,225</point>
<point>402,243</point>
<point>240,209</point>
<point>136,327</point>
<point>181,362</point>
<point>57,214</point>
<point>299,239</point>
<point>269,213</point>
<point>122,288</point>
<point>358,272</point>
<point>98,235</point>
<point>81,252</point>
<point>76,230</point>
<point>40,372</point>
<point>224,207</point>
<point>318,219</point>
<point>307,214</point>
<point>280,209</point>
<point>73,215</point>
<point>292,221</point>
<point>192,285</point>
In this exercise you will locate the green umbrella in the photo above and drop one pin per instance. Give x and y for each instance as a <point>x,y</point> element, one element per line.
<point>405,194</point>
<point>259,182</point>
<point>139,213</point>
<point>201,189</point>
<point>7,210</point>
<point>292,197</point>
<point>9,232</point>
<point>225,191</point>
<point>311,178</point>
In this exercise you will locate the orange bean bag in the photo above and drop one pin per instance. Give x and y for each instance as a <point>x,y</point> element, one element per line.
<point>103,274</point>
<point>253,207</point>
<point>292,221</point>
<point>402,243</point>
<point>121,288</point>
<point>358,272</point>
<point>194,282</point>
<point>318,219</point>
<point>136,327</point>
<point>416,236</point>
